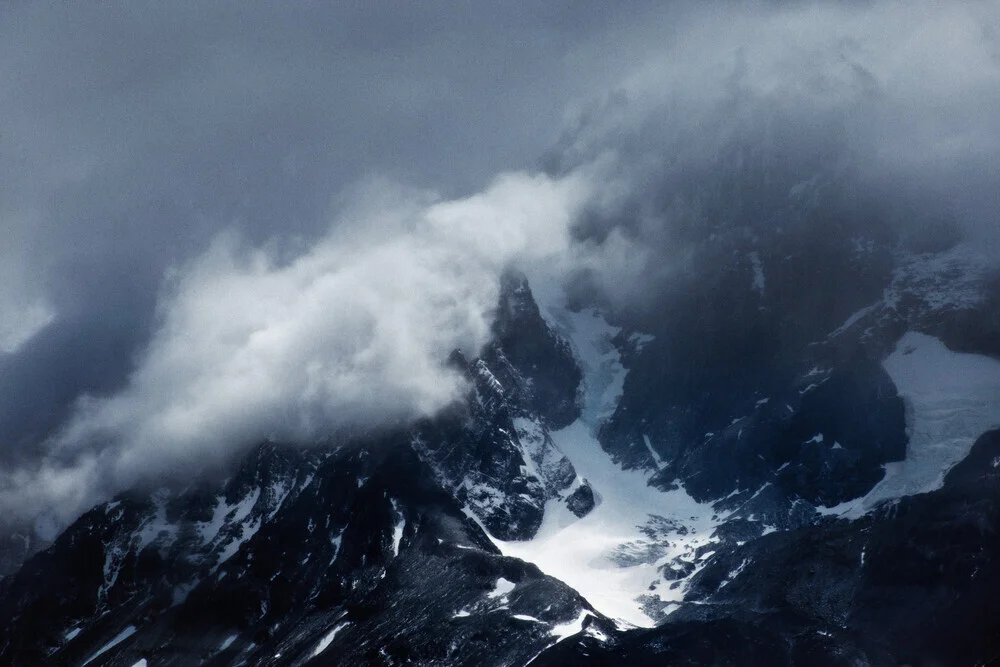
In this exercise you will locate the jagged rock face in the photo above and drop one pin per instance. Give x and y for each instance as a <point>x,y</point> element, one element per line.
<point>533,362</point>
<point>915,583</point>
<point>365,545</point>
<point>765,364</point>
<point>495,450</point>
<point>951,296</point>
<point>16,546</point>
<point>263,567</point>
<point>740,330</point>
<point>389,549</point>
<point>143,552</point>
<point>828,449</point>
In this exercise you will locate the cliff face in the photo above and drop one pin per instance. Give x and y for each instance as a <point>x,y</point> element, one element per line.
<point>758,474</point>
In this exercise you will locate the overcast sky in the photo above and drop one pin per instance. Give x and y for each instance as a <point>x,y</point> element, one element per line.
<point>228,221</point>
<point>134,132</point>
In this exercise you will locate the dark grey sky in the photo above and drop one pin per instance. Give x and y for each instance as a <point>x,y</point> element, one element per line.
<point>225,221</point>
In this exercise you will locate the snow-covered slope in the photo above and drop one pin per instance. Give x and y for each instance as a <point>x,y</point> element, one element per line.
<point>951,399</point>
<point>601,493</point>
<point>614,555</point>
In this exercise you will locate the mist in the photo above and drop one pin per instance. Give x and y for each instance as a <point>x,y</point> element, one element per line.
<point>227,226</point>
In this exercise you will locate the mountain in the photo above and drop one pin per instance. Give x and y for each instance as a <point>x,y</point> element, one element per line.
<point>817,484</point>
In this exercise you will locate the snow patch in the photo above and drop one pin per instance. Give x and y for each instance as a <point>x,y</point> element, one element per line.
<point>327,639</point>
<point>118,639</point>
<point>229,528</point>
<point>397,531</point>
<point>227,642</point>
<point>640,340</point>
<point>525,617</point>
<point>113,558</point>
<point>853,319</point>
<point>591,339</point>
<point>734,573</point>
<point>567,630</point>
<point>335,542</point>
<point>181,591</point>
<point>279,492</point>
<point>246,532</point>
<point>157,525</point>
<point>951,399</point>
<point>210,529</point>
<point>652,452</point>
<point>613,554</point>
<point>502,588</point>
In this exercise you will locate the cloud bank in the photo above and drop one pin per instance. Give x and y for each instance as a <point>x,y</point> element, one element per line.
<point>141,137</point>
<point>352,334</point>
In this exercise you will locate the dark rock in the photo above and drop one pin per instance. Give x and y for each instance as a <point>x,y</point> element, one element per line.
<point>581,501</point>
<point>529,359</point>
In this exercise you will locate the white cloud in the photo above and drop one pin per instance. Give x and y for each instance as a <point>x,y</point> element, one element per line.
<point>901,101</point>
<point>905,76</point>
<point>354,333</point>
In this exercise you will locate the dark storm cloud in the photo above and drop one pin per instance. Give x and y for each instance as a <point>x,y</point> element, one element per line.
<point>210,245</point>
<point>750,106</point>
